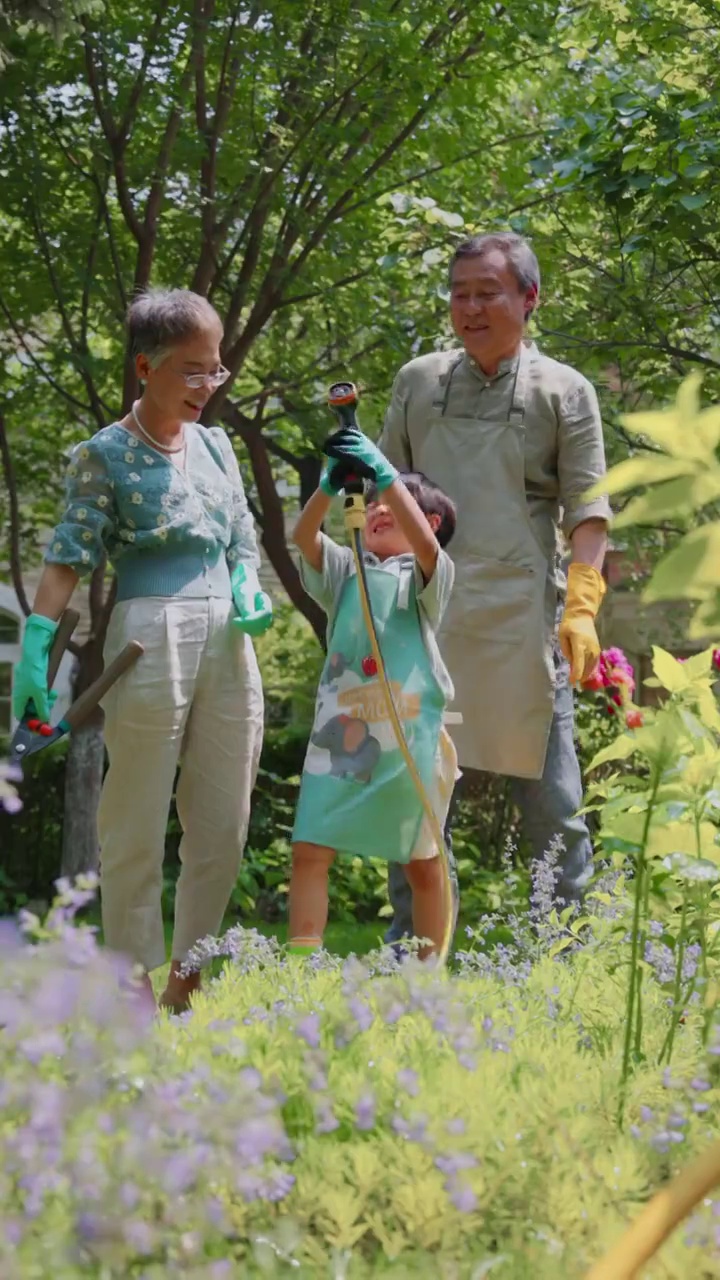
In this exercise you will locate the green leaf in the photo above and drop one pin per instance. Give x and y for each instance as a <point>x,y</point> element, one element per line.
<point>692,870</point>
<point>673,429</point>
<point>558,947</point>
<point>680,497</point>
<point>645,468</point>
<point>690,571</point>
<point>694,201</point>
<point>669,671</point>
<point>700,664</point>
<point>621,749</point>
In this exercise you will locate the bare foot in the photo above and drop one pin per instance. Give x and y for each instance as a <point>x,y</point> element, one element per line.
<point>176,997</point>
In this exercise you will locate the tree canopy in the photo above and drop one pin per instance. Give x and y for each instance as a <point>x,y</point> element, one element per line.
<point>308,168</point>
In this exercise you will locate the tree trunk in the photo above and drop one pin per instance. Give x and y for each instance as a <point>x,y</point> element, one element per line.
<point>83,780</point>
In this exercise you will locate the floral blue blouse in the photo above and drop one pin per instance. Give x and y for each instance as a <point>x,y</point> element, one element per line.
<point>131,503</point>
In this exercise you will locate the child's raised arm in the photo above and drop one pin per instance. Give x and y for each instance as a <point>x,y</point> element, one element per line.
<point>306,534</point>
<point>415,525</point>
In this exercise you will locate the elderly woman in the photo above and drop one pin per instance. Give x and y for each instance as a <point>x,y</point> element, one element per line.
<point>163,498</point>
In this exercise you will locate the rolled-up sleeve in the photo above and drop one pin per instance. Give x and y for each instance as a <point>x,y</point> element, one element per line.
<point>394,440</point>
<point>79,540</point>
<point>581,457</point>
<point>243,547</point>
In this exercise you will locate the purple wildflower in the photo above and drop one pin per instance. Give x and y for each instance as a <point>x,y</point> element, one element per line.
<point>463,1197</point>
<point>408,1080</point>
<point>457,1125</point>
<point>545,874</point>
<point>362,1013</point>
<point>258,1137</point>
<point>325,1119</point>
<point>278,1185</point>
<point>365,1111</point>
<point>453,1164</point>
<point>308,1028</point>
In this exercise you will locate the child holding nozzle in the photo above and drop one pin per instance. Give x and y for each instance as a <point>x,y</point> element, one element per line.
<point>357,797</point>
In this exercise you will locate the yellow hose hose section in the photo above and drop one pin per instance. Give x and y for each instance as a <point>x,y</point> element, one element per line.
<point>659,1218</point>
<point>355,523</point>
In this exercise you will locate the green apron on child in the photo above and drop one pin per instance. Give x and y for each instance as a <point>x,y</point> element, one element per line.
<point>356,795</point>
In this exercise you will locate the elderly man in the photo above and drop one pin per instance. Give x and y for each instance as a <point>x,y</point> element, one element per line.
<point>515,438</point>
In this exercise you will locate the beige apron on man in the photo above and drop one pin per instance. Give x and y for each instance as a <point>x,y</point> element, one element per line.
<point>497,636</point>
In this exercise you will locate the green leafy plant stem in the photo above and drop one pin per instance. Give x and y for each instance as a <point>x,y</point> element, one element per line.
<point>634,986</point>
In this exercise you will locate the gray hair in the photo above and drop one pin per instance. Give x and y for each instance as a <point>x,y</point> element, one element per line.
<point>158,319</point>
<point>518,255</point>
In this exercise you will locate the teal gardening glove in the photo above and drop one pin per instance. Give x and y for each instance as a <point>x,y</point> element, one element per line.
<point>352,446</point>
<point>30,681</point>
<point>254,606</point>
<point>332,478</point>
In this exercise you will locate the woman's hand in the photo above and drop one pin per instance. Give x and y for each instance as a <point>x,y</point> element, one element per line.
<point>254,606</point>
<point>30,680</point>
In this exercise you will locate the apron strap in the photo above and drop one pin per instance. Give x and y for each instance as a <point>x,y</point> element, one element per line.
<point>405,580</point>
<point>444,382</point>
<point>522,377</point>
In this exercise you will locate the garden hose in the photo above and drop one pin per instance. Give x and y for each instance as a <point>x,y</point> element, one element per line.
<point>659,1218</point>
<point>342,399</point>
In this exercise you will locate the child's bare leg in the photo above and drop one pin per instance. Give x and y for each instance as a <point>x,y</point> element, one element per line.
<point>309,893</point>
<point>426,879</point>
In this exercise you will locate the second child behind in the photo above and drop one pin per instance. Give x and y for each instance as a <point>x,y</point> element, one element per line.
<point>356,796</point>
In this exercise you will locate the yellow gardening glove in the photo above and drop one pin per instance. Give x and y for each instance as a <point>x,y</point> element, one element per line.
<point>578,637</point>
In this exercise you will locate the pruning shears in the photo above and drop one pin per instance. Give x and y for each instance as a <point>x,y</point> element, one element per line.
<point>32,734</point>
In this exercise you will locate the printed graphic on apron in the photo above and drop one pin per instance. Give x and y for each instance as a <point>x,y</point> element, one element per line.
<point>356,795</point>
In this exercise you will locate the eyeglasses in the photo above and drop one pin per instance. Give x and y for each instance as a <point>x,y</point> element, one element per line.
<point>197,380</point>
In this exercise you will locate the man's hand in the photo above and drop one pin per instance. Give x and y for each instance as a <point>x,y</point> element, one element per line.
<point>578,637</point>
<point>352,446</point>
<point>254,607</point>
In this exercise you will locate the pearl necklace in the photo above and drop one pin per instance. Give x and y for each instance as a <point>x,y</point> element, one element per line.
<point>164,448</point>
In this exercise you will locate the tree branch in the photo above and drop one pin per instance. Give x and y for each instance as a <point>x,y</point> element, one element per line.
<point>614,344</point>
<point>125,127</point>
<point>95,77</point>
<point>96,407</point>
<point>14,556</point>
<point>66,395</point>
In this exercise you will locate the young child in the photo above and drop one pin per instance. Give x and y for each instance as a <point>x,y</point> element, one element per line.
<point>356,795</point>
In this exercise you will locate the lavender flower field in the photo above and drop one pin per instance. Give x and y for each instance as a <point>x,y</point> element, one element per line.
<point>345,1118</point>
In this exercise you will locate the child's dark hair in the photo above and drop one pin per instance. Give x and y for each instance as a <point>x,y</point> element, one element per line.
<point>431,501</point>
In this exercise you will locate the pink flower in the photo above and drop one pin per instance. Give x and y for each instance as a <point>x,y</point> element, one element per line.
<point>716,658</point>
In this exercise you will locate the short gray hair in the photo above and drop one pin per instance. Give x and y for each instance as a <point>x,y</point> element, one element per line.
<point>518,255</point>
<point>159,319</point>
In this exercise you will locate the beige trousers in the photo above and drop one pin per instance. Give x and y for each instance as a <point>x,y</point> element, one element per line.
<point>195,696</point>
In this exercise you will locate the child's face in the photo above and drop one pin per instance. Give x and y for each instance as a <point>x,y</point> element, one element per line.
<point>383,537</point>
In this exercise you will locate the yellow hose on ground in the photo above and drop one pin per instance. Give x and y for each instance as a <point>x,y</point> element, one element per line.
<point>355,523</point>
<point>659,1218</point>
